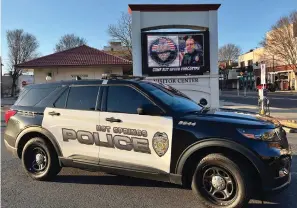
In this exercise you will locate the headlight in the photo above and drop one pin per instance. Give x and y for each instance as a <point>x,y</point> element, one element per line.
<point>269,135</point>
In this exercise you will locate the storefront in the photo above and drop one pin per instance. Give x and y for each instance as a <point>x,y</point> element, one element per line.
<point>283,80</point>
<point>282,77</point>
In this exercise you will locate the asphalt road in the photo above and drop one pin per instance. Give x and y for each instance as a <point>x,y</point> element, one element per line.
<point>78,188</point>
<point>277,99</point>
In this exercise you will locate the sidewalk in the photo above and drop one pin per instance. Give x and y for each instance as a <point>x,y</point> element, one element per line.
<point>287,117</point>
<point>255,91</point>
<point>284,113</point>
<point>256,94</point>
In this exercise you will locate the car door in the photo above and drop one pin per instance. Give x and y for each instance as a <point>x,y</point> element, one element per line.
<point>73,120</point>
<point>130,140</point>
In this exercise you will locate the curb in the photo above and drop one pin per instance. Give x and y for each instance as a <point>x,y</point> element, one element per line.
<point>289,130</point>
<point>290,126</point>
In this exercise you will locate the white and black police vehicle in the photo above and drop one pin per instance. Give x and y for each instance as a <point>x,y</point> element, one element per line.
<point>132,126</point>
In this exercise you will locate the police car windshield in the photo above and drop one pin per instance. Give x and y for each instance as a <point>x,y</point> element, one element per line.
<point>173,98</point>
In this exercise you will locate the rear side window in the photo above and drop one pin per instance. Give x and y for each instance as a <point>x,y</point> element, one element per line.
<point>61,101</point>
<point>33,96</point>
<point>82,98</point>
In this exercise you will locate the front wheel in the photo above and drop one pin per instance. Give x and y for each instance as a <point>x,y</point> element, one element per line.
<point>220,182</point>
<point>40,159</point>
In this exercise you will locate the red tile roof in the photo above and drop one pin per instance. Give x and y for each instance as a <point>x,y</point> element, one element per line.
<point>79,56</point>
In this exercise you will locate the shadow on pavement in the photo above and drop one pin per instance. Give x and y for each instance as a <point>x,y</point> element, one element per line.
<point>284,199</point>
<point>112,180</point>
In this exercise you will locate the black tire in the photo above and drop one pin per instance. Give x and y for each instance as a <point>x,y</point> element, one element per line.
<point>47,169</point>
<point>237,184</point>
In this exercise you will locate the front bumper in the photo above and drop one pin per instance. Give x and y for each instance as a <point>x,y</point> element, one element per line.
<point>276,159</point>
<point>278,173</point>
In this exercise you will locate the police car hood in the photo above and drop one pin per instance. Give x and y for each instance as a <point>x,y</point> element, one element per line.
<point>237,117</point>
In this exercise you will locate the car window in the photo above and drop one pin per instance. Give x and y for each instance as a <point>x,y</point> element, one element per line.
<point>82,98</point>
<point>167,88</point>
<point>125,99</point>
<point>61,101</point>
<point>176,102</point>
<point>34,96</point>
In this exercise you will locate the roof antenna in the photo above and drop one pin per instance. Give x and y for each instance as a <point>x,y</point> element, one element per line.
<point>78,78</point>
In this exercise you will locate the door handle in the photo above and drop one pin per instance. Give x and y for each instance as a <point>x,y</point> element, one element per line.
<point>112,119</point>
<point>53,113</point>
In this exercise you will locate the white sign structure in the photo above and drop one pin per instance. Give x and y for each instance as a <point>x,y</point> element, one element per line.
<point>202,17</point>
<point>263,74</point>
<point>176,80</point>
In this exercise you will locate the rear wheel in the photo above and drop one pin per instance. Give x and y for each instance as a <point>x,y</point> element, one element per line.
<point>220,182</point>
<point>40,159</point>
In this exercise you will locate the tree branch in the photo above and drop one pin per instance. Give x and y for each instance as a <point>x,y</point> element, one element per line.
<point>122,32</point>
<point>21,48</point>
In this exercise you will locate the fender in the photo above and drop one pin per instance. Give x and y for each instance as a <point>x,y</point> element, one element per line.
<point>214,142</point>
<point>43,131</point>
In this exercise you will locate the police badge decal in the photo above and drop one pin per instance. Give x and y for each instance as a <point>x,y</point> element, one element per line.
<point>160,143</point>
<point>163,51</point>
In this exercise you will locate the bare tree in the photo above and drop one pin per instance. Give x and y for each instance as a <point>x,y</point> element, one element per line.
<point>280,43</point>
<point>69,41</point>
<point>22,47</point>
<point>122,31</point>
<point>229,53</point>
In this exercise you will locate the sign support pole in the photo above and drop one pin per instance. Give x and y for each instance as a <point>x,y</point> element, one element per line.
<point>237,87</point>
<point>261,91</point>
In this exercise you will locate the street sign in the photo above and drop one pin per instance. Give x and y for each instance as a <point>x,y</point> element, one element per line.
<point>263,73</point>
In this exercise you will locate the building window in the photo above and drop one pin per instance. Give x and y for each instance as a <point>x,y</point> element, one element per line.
<point>250,62</point>
<point>242,64</point>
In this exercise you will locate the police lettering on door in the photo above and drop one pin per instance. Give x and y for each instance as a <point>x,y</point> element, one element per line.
<point>116,139</point>
<point>120,138</point>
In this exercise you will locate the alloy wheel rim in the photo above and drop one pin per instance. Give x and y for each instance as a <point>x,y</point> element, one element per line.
<point>37,160</point>
<point>218,184</point>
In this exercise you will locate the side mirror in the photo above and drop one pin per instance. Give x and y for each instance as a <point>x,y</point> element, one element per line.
<point>151,110</point>
<point>203,101</point>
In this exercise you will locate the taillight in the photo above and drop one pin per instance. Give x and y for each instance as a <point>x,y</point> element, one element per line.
<point>8,114</point>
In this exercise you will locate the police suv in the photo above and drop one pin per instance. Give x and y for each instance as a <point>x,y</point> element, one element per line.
<point>133,126</point>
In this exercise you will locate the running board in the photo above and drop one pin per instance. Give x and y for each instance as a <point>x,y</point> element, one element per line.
<point>126,171</point>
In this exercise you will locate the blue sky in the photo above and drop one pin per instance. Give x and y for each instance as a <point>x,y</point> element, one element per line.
<point>242,22</point>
